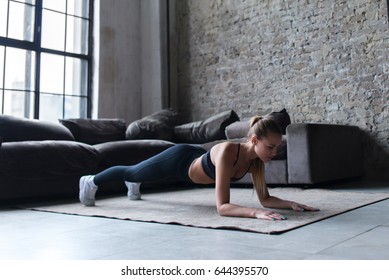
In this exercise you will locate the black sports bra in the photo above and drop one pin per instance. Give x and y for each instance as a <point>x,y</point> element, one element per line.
<point>209,167</point>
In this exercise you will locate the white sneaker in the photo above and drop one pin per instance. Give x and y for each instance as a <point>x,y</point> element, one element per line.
<point>133,190</point>
<point>87,190</point>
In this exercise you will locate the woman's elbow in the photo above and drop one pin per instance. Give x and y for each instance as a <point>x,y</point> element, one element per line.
<point>265,203</point>
<point>221,210</point>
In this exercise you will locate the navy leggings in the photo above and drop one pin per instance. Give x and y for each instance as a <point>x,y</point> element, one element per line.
<point>171,164</point>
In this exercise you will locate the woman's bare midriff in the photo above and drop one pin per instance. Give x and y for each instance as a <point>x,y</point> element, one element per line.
<point>196,173</point>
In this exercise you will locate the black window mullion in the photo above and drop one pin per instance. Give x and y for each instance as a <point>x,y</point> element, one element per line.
<point>13,43</point>
<point>37,48</point>
<point>64,58</point>
<point>90,66</point>
<point>61,53</point>
<point>3,89</point>
<point>28,14</point>
<point>63,86</point>
<point>5,59</point>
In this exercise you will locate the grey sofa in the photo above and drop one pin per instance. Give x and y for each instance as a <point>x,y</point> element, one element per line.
<point>311,153</point>
<point>40,160</point>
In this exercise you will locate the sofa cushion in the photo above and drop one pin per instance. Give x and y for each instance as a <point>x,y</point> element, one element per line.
<point>40,160</point>
<point>158,125</point>
<point>129,152</point>
<point>95,131</point>
<point>14,129</point>
<point>240,129</point>
<point>207,130</point>
<point>281,118</point>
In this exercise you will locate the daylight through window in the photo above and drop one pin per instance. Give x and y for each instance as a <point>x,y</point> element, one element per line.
<point>45,58</point>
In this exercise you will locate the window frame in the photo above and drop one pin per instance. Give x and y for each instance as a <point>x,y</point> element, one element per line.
<point>35,46</point>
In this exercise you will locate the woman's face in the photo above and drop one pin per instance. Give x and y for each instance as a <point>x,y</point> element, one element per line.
<point>266,148</point>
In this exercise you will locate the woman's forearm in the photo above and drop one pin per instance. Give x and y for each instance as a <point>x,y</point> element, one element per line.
<point>233,210</point>
<point>275,202</point>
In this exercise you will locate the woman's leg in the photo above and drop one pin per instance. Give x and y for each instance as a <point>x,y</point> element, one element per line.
<point>172,163</point>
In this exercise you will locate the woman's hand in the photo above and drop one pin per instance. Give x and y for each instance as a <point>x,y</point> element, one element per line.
<point>301,207</point>
<point>268,215</point>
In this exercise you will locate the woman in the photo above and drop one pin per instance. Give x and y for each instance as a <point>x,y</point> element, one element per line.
<point>223,163</point>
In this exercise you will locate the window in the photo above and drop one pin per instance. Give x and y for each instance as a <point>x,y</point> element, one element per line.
<point>45,58</point>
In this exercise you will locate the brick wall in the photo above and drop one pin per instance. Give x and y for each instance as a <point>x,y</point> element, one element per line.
<point>324,61</point>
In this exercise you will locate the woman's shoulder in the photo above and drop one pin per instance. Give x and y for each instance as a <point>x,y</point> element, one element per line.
<point>226,149</point>
<point>226,145</point>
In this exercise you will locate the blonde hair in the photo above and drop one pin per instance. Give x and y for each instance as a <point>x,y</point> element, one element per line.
<point>260,127</point>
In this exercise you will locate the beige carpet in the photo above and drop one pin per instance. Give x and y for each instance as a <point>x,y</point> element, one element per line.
<point>196,207</point>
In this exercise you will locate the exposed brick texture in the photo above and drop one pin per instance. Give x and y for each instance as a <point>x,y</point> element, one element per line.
<point>324,61</point>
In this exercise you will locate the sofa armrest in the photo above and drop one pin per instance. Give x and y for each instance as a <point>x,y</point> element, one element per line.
<point>323,152</point>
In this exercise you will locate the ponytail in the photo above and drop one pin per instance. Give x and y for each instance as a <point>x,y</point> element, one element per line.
<point>258,176</point>
<point>260,127</point>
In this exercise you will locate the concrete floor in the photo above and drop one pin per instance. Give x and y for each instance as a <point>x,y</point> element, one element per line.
<point>359,234</point>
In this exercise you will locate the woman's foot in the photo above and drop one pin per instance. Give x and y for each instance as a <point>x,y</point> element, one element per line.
<point>87,190</point>
<point>133,190</point>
